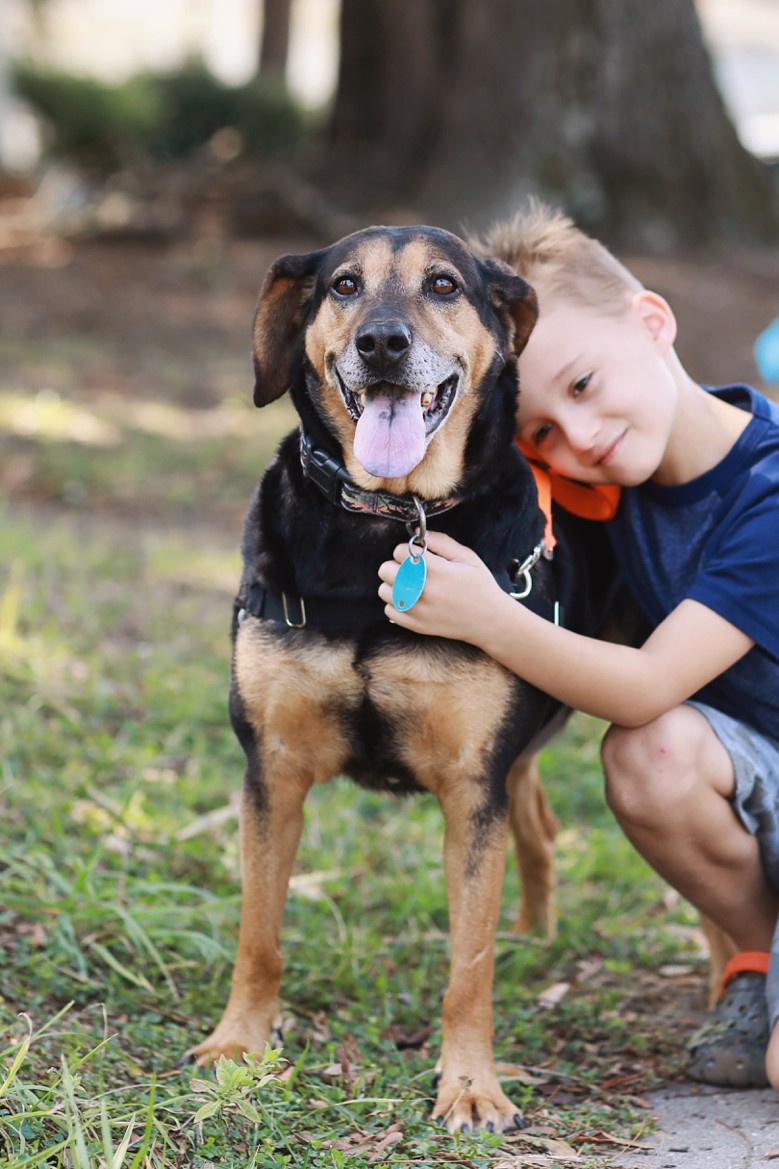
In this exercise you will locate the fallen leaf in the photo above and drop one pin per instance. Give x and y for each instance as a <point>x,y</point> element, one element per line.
<point>537,1161</point>
<point>369,1144</point>
<point>674,971</point>
<point>554,1146</point>
<point>390,1138</point>
<point>587,968</point>
<point>605,1138</point>
<point>405,1042</point>
<point>38,934</point>
<point>521,1073</point>
<point>553,994</point>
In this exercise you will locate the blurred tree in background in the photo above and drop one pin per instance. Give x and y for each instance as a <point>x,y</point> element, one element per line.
<point>274,39</point>
<point>609,108</point>
<point>450,111</point>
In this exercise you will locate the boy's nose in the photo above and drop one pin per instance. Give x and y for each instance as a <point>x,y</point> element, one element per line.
<point>583,434</point>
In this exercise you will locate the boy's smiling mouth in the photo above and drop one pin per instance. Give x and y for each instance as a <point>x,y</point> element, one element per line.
<point>610,452</point>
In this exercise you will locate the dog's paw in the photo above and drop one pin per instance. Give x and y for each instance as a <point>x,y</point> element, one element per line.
<point>237,1034</point>
<point>468,1102</point>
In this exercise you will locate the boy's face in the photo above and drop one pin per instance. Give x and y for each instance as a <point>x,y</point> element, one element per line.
<point>597,397</point>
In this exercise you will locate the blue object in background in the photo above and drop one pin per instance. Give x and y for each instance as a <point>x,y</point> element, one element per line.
<point>767,354</point>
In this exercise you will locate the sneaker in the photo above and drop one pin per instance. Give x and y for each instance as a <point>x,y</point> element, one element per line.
<point>729,1049</point>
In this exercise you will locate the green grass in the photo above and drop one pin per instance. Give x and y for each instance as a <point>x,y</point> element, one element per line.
<point>119,879</point>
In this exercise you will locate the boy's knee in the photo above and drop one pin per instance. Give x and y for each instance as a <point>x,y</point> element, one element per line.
<point>649,769</point>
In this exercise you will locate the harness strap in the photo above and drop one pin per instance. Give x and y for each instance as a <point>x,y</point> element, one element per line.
<point>544,489</point>
<point>297,612</point>
<point>319,612</point>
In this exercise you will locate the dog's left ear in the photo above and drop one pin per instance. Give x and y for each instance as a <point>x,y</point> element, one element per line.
<point>514,300</point>
<point>277,335</point>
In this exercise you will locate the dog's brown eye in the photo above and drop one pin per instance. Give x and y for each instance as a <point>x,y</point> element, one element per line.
<point>443,285</point>
<point>345,286</point>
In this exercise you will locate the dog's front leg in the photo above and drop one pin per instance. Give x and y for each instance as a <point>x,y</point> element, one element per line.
<point>271,823</point>
<point>469,1095</point>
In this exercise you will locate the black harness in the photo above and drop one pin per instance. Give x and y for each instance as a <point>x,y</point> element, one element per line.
<point>333,480</point>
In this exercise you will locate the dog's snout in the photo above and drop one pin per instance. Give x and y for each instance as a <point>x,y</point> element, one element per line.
<point>382,344</point>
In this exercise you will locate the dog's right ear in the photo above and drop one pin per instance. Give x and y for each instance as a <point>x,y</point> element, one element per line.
<point>514,300</point>
<point>277,335</point>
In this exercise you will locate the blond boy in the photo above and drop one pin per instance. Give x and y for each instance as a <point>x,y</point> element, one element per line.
<point>692,756</point>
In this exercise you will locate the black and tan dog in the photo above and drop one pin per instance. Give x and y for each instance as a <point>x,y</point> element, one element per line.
<point>399,348</point>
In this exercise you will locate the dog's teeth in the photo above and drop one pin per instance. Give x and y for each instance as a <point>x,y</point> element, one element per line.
<point>427,399</point>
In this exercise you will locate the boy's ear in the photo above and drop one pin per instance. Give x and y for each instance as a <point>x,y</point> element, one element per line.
<point>657,317</point>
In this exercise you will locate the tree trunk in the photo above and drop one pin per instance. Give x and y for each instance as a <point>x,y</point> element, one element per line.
<point>609,108</point>
<point>274,42</point>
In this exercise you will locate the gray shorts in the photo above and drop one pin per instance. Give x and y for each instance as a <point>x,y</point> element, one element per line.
<point>755,760</point>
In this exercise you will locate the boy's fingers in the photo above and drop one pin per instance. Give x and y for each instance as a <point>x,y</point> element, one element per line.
<point>388,571</point>
<point>449,549</point>
<point>443,546</point>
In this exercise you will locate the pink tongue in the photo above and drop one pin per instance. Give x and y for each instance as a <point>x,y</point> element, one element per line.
<point>390,437</point>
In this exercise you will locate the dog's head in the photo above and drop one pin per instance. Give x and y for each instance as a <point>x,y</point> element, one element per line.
<point>403,332</point>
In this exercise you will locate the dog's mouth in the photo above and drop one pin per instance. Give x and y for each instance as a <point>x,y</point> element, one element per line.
<point>394,423</point>
<point>434,402</point>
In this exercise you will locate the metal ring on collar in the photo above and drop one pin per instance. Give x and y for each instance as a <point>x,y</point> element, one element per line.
<point>524,571</point>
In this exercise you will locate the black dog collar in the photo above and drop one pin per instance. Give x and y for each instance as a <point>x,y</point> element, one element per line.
<point>333,481</point>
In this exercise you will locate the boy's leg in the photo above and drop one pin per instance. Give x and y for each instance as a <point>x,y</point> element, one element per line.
<point>669,784</point>
<point>772,994</point>
<point>772,1059</point>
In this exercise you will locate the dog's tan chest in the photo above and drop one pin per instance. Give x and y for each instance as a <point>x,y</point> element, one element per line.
<point>304,698</point>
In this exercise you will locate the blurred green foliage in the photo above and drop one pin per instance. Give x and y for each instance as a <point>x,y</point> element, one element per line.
<point>163,116</point>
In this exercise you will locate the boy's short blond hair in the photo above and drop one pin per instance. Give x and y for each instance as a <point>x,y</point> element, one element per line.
<point>547,249</point>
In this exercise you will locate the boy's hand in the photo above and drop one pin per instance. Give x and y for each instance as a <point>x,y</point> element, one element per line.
<point>459,597</point>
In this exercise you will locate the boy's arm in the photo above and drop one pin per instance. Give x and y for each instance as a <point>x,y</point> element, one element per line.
<point>623,685</point>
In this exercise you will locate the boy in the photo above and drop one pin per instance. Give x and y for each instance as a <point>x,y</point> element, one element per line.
<point>692,757</point>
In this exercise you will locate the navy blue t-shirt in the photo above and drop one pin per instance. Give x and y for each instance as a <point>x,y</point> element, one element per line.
<point>716,541</point>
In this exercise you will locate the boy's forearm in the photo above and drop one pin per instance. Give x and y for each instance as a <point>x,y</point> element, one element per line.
<point>613,682</point>
<point>621,684</point>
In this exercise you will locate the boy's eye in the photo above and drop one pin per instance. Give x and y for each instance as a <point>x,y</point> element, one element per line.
<point>580,385</point>
<point>541,433</point>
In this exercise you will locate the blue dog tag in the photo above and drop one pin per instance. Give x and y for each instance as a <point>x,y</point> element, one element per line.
<point>410,580</point>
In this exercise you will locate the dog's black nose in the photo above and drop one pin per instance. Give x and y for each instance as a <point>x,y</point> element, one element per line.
<point>382,344</point>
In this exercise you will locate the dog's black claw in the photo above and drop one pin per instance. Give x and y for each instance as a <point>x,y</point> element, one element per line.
<point>436,1079</point>
<point>465,1127</point>
<point>439,1121</point>
<point>187,1060</point>
<point>519,1120</point>
<point>490,1127</point>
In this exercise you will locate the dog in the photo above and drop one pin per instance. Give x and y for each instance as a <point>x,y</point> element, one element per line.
<point>399,348</point>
